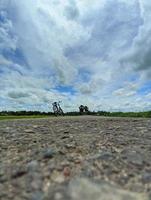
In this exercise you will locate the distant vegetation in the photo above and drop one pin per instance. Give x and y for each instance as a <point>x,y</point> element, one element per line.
<point>146,114</point>
<point>37,114</point>
<point>23,113</point>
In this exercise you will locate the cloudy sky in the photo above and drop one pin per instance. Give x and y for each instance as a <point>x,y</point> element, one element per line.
<point>96,53</point>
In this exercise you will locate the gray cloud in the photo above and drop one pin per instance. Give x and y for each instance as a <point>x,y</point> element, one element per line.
<point>17,95</point>
<point>71,11</point>
<point>7,41</point>
<point>113,27</point>
<point>139,55</point>
<point>130,89</point>
<point>4,4</point>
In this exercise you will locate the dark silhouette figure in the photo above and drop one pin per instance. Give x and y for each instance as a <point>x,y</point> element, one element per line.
<point>57,109</point>
<point>86,109</point>
<point>81,109</point>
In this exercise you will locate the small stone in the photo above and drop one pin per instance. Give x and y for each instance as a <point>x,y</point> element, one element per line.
<point>146,178</point>
<point>66,172</point>
<point>70,146</point>
<point>66,132</point>
<point>62,152</point>
<point>29,131</point>
<point>18,172</point>
<point>84,189</point>
<point>38,195</point>
<point>36,183</point>
<point>78,161</point>
<point>48,153</point>
<point>58,196</point>
<point>3,178</point>
<point>65,137</point>
<point>106,156</point>
<point>35,126</point>
<point>33,166</point>
<point>65,163</point>
<point>132,156</point>
<point>57,177</point>
<point>103,155</point>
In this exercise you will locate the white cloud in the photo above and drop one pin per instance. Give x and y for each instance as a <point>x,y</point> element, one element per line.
<point>138,56</point>
<point>7,41</point>
<point>129,90</point>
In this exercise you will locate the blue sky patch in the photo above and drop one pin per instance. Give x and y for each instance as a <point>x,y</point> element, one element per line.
<point>15,56</point>
<point>84,75</point>
<point>145,89</point>
<point>66,89</point>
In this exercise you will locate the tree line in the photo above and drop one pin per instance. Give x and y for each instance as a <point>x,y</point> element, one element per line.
<point>146,114</point>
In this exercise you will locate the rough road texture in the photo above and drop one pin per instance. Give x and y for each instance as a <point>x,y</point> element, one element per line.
<point>78,158</point>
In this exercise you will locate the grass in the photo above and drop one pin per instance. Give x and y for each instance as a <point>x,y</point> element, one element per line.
<point>22,117</point>
<point>34,115</point>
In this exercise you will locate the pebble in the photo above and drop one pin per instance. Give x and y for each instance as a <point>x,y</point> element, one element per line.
<point>66,132</point>
<point>132,156</point>
<point>35,126</point>
<point>84,189</point>
<point>48,153</point>
<point>65,137</point>
<point>37,195</point>
<point>146,178</point>
<point>70,146</point>
<point>103,155</point>
<point>18,172</point>
<point>57,177</point>
<point>29,131</point>
<point>66,171</point>
<point>33,166</point>
<point>58,196</point>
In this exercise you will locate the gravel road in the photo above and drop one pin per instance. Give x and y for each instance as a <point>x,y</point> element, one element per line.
<point>75,158</point>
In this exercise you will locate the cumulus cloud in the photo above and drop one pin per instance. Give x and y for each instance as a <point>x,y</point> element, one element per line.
<point>71,11</point>
<point>129,90</point>
<point>99,49</point>
<point>7,41</point>
<point>139,55</point>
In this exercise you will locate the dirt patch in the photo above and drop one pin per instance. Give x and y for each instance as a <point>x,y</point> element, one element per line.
<point>39,159</point>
